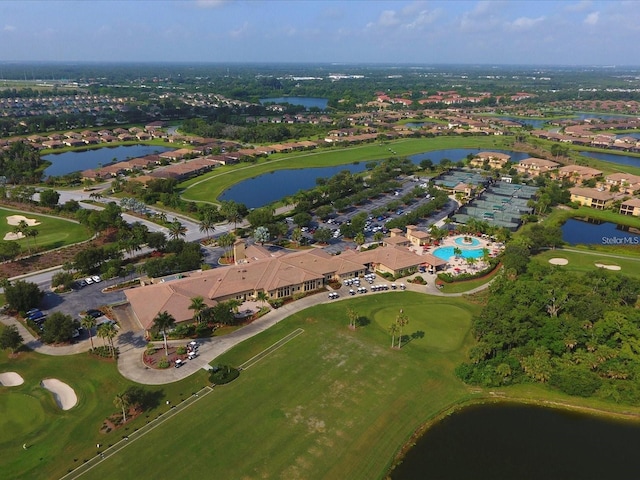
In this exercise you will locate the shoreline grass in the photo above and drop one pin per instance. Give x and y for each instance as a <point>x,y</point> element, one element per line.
<point>211,185</point>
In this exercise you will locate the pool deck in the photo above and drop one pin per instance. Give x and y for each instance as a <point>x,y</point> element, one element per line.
<point>459,265</point>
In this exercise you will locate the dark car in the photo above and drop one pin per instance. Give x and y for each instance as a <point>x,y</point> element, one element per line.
<point>94,313</point>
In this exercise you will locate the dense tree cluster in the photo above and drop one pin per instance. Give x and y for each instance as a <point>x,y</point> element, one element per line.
<point>577,332</point>
<point>21,163</point>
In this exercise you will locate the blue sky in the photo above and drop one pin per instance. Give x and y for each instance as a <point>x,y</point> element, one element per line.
<point>455,31</point>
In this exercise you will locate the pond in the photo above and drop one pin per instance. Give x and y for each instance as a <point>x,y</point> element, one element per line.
<point>610,157</point>
<point>457,154</point>
<point>270,187</point>
<point>522,442</point>
<point>68,162</point>
<point>306,102</point>
<point>595,232</point>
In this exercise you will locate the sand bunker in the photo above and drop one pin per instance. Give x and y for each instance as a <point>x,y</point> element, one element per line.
<point>608,267</point>
<point>558,261</point>
<point>10,379</point>
<point>13,236</point>
<point>15,220</point>
<point>64,395</point>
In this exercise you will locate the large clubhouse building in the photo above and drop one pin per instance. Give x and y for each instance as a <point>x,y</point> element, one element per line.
<point>279,275</point>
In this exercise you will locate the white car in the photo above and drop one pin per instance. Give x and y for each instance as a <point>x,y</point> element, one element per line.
<point>96,278</point>
<point>89,280</point>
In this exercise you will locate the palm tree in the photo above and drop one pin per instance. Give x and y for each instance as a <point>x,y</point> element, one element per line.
<point>401,321</point>
<point>457,251</point>
<point>226,241</point>
<point>33,233</point>
<point>198,306</point>
<point>89,323</point>
<point>207,225</point>
<point>262,297</point>
<point>164,321</point>
<point>393,330</point>
<point>177,230</point>
<point>353,316</point>
<point>122,401</point>
<point>107,331</point>
<point>296,235</point>
<point>359,239</point>
<point>471,261</point>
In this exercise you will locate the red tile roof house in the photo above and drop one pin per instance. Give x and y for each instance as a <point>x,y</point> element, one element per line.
<point>631,207</point>
<point>592,197</point>
<point>493,159</point>
<point>625,182</point>
<point>535,166</point>
<point>576,173</point>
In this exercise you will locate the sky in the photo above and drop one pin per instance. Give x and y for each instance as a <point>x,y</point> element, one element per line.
<point>517,32</point>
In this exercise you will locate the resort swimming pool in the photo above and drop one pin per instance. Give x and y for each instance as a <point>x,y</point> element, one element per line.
<point>445,253</point>
<point>474,242</point>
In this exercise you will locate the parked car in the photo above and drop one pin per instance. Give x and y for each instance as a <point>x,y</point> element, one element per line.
<point>96,278</point>
<point>92,312</point>
<point>89,280</point>
<point>37,317</point>
<point>179,363</point>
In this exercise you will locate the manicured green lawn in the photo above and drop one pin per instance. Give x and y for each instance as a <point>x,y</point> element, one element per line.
<point>61,440</point>
<point>54,232</point>
<point>208,187</point>
<point>584,260</point>
<point>330,403</point>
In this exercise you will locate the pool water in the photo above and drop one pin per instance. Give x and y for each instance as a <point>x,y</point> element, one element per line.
<point>474,242</point>
<point>445,253</point>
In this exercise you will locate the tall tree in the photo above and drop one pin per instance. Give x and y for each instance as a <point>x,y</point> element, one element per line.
<point>177,230</point>
<point>401,320</point>
<point>10,338</point>
<point>353,316</point>
<point>207,225</point>
<point>198,306</point>
<point>393,330</point>
<point>122,401</point>
<point>107,331</point>
<point>89,323</point>
<point>163,322</point>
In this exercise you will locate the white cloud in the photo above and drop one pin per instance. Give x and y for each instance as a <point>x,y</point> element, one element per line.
<point>592,18</point>
<point>388,18</point>
<point>240,31</point>
<point>524,23</point>
<point>9,28</point>
<point>424,17</point>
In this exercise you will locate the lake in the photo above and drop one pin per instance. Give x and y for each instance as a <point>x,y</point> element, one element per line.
<point>594,232</point>
<point>270,187</point>
<point>490,442</point>
<point>457,154</point>
<point>306,102</point>
<point>68,162</point>
<point>610,157</point>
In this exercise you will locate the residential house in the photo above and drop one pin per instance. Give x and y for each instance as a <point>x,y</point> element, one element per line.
<point>576,173</point>
<point>535,166</point>
<point>631,207</point>
<point>495,160</point>
<point>592,197</point>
